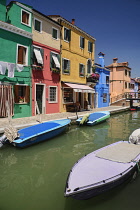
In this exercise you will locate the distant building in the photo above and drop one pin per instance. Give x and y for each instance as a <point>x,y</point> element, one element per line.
<point>120,75</point>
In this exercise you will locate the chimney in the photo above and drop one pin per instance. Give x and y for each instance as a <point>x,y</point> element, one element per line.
<point>73,21</point>
<point>101,59</point>
<point>115,60</point>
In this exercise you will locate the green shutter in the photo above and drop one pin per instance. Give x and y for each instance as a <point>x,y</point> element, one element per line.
<point>51,59</point>
<point>32,54</point>
<point>42,53</point>
<point>69,35</point>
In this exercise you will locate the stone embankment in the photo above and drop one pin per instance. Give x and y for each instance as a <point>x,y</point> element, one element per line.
<point>28,121</point>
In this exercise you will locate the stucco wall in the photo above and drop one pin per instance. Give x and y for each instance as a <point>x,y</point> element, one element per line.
<point>45,37</point>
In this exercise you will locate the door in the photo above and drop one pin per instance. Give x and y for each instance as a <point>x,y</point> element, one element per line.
<point>39,98</point>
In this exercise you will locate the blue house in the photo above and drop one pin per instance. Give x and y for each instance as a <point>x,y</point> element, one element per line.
<point>102,86</point>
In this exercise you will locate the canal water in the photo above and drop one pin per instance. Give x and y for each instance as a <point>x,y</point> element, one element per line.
<point>34,178</point>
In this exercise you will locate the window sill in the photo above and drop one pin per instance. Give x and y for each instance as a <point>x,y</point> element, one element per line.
<point>21,103</point>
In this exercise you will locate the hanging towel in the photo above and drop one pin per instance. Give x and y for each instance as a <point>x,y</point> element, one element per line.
<point>19,67</point>
<point>3,67</point>
<point>11,69</point>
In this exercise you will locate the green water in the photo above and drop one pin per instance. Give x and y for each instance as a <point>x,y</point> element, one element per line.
<point>34,178</point>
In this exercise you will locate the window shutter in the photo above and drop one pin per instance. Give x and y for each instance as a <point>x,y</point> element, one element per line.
<point>32,54</point>
<point>83,42</point>
<point>83,69</point>
<point>62,64</point>
<point>69,35</point>
<point>42,53</point>
<point>20,54</point>
<point>27,94</point>
<point>51,59</point>
<point>16,96</point>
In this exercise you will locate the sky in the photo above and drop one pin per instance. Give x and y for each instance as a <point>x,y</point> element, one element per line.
<point>115,24</point>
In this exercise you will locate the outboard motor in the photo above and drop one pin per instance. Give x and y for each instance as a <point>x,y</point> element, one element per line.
<point>3,140</point>
<point>134,138</point>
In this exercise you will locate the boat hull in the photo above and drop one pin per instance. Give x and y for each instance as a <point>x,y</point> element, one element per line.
<point>103,170</point>
<point>87,194</point>
<point>42,136</point>
<point>95,118</point>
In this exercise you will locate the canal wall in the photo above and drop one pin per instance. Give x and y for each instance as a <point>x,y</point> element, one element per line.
<point>20,123</point>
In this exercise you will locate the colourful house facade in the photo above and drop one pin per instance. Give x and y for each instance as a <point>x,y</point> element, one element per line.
<point>120,77</point>
<point>102,88</point>
<point>77,58</point>
<point>15,70</point>
<point>45,57</point>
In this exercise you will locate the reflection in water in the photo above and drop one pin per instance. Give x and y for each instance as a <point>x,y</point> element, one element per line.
<point>36,176</point>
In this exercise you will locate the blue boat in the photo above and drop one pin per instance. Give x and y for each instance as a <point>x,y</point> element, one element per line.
<point>40,132</point>
<point>94,118</point>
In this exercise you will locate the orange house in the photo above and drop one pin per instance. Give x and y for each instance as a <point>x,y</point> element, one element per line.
<point>120,76</point>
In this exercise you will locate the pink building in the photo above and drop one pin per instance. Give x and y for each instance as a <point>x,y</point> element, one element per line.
<point>45,65</point>
<point>120,76</point>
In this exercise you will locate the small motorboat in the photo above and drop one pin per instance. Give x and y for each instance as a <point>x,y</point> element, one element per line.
<point>36,133</point>
<point>94,118</point>
<point>104,169</point>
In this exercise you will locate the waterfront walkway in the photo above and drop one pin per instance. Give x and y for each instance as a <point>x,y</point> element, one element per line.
<point>28,121</point>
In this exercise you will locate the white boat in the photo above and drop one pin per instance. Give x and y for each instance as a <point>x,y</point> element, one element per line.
<point>103,170</point>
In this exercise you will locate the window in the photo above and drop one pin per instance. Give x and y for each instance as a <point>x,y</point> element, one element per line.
<point>54,33</point>
<point>129,73</point>
<point>82,42</point>
<point>67,34</point>
<point>22,53</point>
<point>37,56</point>
<point>104,97</point>
<point>66,66</point>
<point>55,62</point>
<point>125,72</point>
<point>25,17</point>
<point>90,46</point>
<point>107,79</point>
<point>53,94</point>
<point>125,85</point>
<point>21,94</point>
<point>89,66</point>
<point>81,70</point>
<point>68,95</point>
<point>37,25</point>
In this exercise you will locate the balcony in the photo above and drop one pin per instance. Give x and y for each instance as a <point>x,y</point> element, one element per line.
<point>93,78</point>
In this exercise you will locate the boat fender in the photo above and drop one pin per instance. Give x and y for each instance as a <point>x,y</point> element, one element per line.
<point>84,119</point>
<point>135,137</point>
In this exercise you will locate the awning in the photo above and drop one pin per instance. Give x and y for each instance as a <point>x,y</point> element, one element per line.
<point>38,56</point>
<point>80,88</point>
<point>56,61</point>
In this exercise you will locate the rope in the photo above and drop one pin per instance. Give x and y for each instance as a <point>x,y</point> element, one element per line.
<point>11,133</point>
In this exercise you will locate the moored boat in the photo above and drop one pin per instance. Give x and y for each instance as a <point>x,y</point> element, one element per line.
<point>40,132</point>
<point>94,118</point>
<point>102,170</point>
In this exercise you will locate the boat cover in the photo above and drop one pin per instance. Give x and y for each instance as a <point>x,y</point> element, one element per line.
<point>123,152</point>
<point>96,116</point>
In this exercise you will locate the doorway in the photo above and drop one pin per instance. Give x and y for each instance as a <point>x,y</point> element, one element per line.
<point>40,89</point>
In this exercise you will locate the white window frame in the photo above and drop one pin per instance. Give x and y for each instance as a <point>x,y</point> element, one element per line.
<point>22,10</point>
<point>40,25</point>
<point>64,34</point>
<point>26,58</point>
<point>53,28</point>
<point>66,69</point>
<point>83,68</point>
<point>56,101</point>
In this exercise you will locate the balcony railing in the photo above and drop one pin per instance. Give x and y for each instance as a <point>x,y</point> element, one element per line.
<point>94,78</point>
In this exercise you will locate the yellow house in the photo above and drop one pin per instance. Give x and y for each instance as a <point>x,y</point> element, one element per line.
<point>77,59</point>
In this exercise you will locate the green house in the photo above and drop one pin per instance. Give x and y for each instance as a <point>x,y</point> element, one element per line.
<point>15,66</point>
